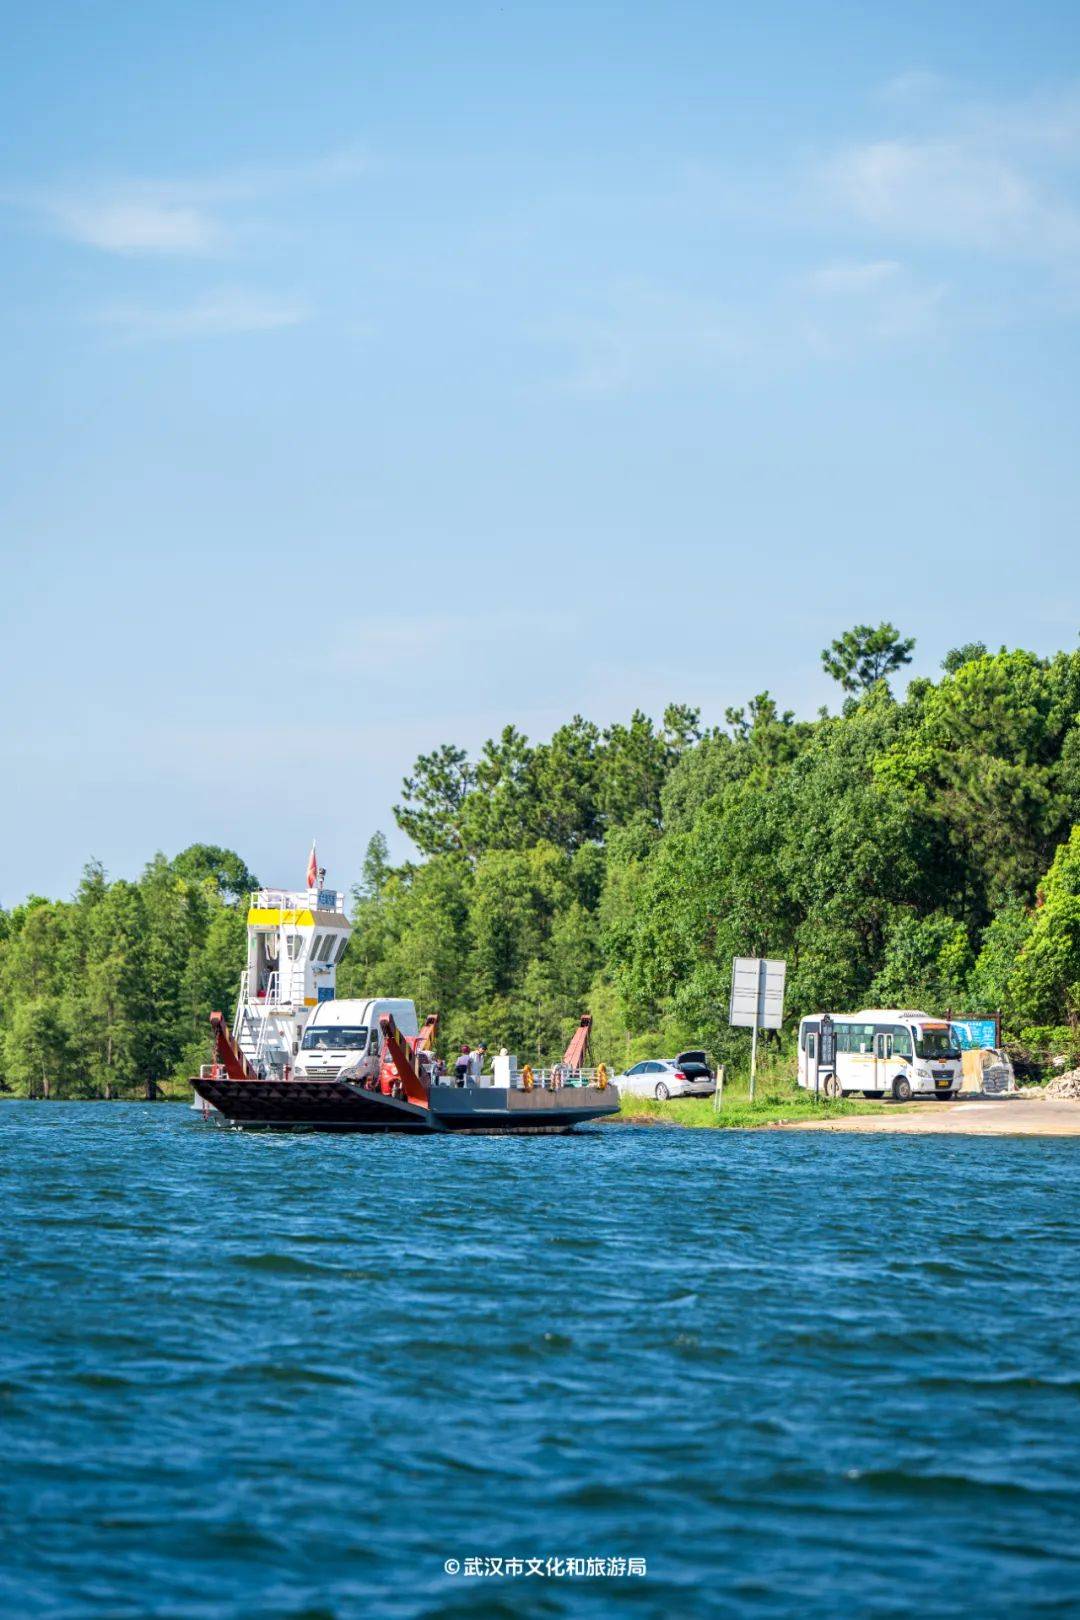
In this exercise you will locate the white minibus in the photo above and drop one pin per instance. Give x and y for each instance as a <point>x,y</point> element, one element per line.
<point>879,1052</point>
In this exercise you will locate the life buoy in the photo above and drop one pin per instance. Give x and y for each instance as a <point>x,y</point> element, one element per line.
<point>527,1078</point>
<point>601,1077</point>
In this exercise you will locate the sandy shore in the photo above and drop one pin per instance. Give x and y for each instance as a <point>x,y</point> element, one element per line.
<point>1018,1115</point>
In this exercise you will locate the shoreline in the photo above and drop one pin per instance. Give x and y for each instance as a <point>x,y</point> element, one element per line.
<point>1017,1114</point>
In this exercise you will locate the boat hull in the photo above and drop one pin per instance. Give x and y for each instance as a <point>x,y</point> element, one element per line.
<point>335,1105</point>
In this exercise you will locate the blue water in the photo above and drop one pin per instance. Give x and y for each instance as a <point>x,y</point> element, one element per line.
<point>258,1376</point>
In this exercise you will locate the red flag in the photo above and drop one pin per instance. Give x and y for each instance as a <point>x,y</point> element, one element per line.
<point>312,869</point>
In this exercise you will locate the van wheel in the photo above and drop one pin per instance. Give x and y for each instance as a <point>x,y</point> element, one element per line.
<point>901,1088</point>
<point>662,1093</point>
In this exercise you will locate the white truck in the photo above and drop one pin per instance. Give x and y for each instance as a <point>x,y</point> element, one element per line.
<point>341,1038</point>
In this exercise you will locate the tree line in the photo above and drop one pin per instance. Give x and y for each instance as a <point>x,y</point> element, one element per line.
<point>920,850</point>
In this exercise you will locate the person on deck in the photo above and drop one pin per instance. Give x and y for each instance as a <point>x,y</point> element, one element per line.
<point>461,1065</point>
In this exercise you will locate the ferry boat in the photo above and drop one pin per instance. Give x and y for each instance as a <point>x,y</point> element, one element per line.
<point>390,1080</point>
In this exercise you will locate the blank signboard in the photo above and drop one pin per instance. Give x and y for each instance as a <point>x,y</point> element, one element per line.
<point>757,992</point>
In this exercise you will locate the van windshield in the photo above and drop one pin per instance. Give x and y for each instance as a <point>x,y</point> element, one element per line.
<point>347,1036</point>
<point>935,1043</point>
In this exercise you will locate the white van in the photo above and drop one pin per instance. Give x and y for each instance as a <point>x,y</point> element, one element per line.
<point>880,1052</point>
<point>341,1038</point>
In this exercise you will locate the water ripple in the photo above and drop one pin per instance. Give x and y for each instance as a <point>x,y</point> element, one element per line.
<point>292,1376</point>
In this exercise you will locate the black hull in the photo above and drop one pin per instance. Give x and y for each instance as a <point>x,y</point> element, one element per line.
<point>333,1105</point>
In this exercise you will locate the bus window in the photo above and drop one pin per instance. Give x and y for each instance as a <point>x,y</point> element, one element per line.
<point>855,1038</point>
<point>901,1040</point>
<point>936,1043</point>
<point>808,1029</point>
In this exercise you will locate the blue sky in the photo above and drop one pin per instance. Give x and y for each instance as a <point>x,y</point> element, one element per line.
<point>375,376</point>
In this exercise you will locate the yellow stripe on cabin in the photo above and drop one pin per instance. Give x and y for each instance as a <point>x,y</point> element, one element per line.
<point>269,917</point>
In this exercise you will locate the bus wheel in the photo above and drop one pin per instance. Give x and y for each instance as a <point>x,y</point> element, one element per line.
<point>832,1086</point>
<point>901,1088</point>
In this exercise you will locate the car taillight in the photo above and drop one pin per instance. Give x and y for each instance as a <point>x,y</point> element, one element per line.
<point>678,1075</point>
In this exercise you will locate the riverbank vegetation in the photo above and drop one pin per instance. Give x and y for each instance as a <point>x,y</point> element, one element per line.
<point>773,1105</point>
<point>922,849</point>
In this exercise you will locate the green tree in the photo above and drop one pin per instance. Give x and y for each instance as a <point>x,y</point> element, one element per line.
<point>985,760</point>
<point>112,1010</point>
<point>376,868</point>
<point>221,868</point>
<point>863,656</point>
<point>432,799</point>
<point>957,657</point>
<point>36,1047</point>
<point>1045,987</point>
<point>991,983</point>
<point>926,964</point>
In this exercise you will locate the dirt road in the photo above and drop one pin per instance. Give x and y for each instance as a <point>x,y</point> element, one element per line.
<point>1021,1114</point>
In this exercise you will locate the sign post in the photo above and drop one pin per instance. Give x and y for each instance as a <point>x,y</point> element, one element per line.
<point>826,1050</point>
<point>753,1043</point>
<point>757,1000</point>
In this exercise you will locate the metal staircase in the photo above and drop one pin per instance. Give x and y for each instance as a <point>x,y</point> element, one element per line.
<point>252,1023</point>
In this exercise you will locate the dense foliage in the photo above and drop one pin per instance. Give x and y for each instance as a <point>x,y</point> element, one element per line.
<point>110,992</point>
<point>922,851</point>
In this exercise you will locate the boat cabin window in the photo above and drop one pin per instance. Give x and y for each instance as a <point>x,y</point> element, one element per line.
<point>323,948</point>
<point>935,1043</point>
<point>293,942</point>
<point>345,1036</point>
<point>341,950</point>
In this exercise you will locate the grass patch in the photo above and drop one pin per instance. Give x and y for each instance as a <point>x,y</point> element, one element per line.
<point>773,1105</point>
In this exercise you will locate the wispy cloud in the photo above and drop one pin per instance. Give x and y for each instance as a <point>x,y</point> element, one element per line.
<point>200,216</point>
<point>879,301</point>
<point>639,333</point>
<point>139,226</point>
<point>993,180</point>
<point>855,278</point>
<point>228,311</point>
<point>913,85</point>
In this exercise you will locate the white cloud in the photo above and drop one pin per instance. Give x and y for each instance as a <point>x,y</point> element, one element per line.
<point>851,305</point>
<point>946,193</point>
<point>138,226</point>
<point>998,180</point>
<point>181,217</point>
<point>854,278</point>
<point>913,85</point>
<point>223,313</point>
<point>643,332</point>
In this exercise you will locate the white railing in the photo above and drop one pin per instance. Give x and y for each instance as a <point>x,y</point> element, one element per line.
<point>246,1022</point>
<point>298,900</point>
<point>241,1004</point>
<point>556,1078</point>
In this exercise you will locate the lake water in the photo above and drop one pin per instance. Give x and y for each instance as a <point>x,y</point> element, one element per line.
<point>244,1376</point>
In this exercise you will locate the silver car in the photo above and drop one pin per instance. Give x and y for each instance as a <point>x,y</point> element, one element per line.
<point>663,1078</point>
